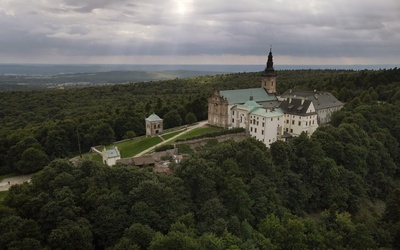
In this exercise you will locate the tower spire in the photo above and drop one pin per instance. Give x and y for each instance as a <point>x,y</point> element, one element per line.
<point>268,76</point>
<point>269,69</point>
<point>270,63</point>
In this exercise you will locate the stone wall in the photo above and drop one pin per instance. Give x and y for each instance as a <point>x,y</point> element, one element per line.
<point>197,144</point>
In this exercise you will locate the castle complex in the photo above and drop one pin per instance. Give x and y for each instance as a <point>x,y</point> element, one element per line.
<point>268,117</point>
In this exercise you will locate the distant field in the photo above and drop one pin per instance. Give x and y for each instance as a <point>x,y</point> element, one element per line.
<point>49,78</point>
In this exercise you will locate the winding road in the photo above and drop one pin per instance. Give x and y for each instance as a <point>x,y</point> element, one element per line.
<point>6,183</point>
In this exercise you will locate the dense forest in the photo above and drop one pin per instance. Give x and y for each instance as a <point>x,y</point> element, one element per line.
<point>338,189</point>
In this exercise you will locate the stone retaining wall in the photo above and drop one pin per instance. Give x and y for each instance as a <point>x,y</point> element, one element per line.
<point>199,143</point>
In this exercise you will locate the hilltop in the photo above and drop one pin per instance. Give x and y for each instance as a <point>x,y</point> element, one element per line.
<point>338,188</point>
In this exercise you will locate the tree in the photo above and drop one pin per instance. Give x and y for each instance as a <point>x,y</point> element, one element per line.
<point>178,237</point>
<point>108,224</point>
<point>32,160</point>
<point>16,233</point>
<point>101,134</point>
<point>14,154</point>
<point>138,235</point>
<point>172,119</point>
<point>71,235</point>
<point>130,135</point>
<point>57,143</point>
<point>190,118</point>
<point>211,217</point>
<point>211,242</point>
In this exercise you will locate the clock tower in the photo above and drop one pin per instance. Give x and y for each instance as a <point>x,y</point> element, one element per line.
<point>268,76</point>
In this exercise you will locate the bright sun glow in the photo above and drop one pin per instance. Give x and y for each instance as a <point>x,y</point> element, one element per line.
<point>182,6</point>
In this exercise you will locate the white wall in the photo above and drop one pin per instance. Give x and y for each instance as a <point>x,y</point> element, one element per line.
<point>267,128</point>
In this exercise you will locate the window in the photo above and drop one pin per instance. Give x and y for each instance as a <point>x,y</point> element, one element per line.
<point>287,121</point>
<point>255,130</point>
<point>257,123</point>
<point>251,129</point>
<point>299,123</point>
<point>262,132</point>
<point>306,123</point>
<point>292,122</point>
<point>263,124</point>
<point>291,130</point>
<point>272,119</point>
<point>233,120</point>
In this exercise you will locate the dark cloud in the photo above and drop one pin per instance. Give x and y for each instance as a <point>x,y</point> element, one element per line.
<point>310,28</point>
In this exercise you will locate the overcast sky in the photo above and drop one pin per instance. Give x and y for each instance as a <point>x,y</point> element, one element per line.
<point>200,31</point>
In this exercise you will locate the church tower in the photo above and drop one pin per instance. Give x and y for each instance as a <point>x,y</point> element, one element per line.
<point>268,77</point>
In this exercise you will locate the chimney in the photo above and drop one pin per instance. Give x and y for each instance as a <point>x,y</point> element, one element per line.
<point>290,100</point>
<point>302,101</point>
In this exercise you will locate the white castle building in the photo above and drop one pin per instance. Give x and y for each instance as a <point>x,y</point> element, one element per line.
<point>268,117</point>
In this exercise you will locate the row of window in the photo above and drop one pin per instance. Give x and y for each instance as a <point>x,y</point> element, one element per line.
<point>299,123</point>
<point>306,117</point>
<point>287,130</point>
<point>155,126</point>
<point>269,140</point>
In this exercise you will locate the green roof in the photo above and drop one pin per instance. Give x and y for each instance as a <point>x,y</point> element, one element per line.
<point>252,104</point>
<point>271,114</point>
<point>241,96</point>
<point>153,118</point>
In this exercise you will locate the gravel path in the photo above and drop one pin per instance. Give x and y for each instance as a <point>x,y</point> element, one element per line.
<point>190,128</point>
<point>6,183</point>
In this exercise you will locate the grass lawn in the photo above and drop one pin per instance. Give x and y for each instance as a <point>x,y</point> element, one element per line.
<point>172,134</point>
<point>128,148</point>
<point>93,157</point>
<point>3,195</point>
<point>199,131</point>
<point>133,147</point>
<point>184,149</point>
